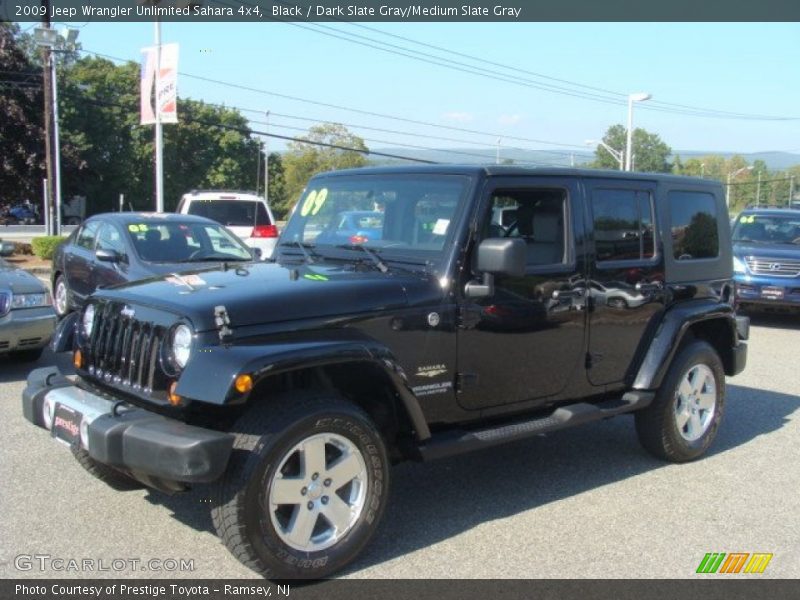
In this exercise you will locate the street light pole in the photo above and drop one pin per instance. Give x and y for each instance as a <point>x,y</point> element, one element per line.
<point>728,186</point>
<point>159,141</point>
<point>639,97</point>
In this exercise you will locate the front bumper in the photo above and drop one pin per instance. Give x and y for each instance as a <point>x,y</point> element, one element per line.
<point>26,329</point>
<point>783,292</point>
<point>150,447</point>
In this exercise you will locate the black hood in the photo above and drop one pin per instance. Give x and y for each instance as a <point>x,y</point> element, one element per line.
<point>261,293</point>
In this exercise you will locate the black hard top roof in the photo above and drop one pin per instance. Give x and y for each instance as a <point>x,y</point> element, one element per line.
<point>516,171</point>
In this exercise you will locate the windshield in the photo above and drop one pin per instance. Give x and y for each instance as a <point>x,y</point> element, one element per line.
<point>767,229</point>
<point>185,242</point>
<point>399,216</point>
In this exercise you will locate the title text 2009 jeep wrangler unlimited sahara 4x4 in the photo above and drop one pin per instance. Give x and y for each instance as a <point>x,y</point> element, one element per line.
<point>401,320</point>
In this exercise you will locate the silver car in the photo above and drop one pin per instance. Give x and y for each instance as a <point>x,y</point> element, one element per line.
<point>27,318</point>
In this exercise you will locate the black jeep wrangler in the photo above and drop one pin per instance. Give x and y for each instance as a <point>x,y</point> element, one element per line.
<point>409,314</point>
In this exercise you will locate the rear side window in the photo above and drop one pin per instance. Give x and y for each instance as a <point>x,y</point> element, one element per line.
<point>694,225</point>
<point>623,224</point>
<point>236,213</point>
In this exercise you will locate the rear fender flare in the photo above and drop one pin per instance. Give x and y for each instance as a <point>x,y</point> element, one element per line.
<point>670,334</point>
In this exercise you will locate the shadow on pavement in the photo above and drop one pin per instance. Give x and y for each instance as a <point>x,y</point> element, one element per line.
<point>431,502</point>
<point>16,371</point>
<point>774,320</point>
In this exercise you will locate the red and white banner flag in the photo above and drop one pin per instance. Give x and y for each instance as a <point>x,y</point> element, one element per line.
<point>167,93</point>
<point>148,79</point>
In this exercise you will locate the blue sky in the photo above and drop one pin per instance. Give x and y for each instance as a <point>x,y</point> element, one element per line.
<point>749,68</point>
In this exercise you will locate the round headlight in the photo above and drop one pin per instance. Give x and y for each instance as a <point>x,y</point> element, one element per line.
<point>88,320</point>
<point>181,345</point>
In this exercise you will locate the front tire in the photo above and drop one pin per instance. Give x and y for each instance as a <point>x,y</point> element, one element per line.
<point>305,488</point>
<point>61,296</point>
<point>683,419</point>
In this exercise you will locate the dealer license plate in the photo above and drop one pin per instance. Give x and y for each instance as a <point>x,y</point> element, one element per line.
<point>67,425</point>
<point>772,293</point>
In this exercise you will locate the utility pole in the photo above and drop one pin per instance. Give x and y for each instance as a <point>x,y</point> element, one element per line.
<point>758,190</point>
<point>497,157</point>
<point>258,169</point>
<point>47,57</point>
<point>791,190</point>
<point>266,161</point>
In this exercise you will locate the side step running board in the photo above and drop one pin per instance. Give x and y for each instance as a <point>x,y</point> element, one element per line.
<point>457,442</point>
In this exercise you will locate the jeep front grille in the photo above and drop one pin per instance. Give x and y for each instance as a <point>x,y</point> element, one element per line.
<point>777,267</point>
<point>125,352</point>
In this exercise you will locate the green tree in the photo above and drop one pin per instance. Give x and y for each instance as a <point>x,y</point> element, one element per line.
<point>649,153</point>
<point>277,185</point>
<point>109,153</point>
<point>21,120</point>
<point>304,159</point>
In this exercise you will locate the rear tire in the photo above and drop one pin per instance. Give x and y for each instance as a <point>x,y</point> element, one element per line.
<point>305,487</point>
<point>109,475</point>
<point>683,419</point>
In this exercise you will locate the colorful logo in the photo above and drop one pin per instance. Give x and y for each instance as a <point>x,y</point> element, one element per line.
<point>734,562</point>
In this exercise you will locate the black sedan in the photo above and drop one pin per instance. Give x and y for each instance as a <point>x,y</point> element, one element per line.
<point>114,248</point>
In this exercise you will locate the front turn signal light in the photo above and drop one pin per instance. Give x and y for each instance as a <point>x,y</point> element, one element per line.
<point>174,399</point>
<point>243,384</point>
<point>77,359</point>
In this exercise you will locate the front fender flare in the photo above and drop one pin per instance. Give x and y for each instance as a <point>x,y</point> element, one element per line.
<point>211,372</point>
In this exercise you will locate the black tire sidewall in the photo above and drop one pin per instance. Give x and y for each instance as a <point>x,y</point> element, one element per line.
<point>61,280</point>
<point>288,562</point>
<point>695,353</point>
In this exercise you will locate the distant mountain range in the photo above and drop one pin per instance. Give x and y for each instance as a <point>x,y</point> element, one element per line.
<point>558,158</point>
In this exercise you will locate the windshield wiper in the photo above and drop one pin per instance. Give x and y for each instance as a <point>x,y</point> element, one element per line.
<point>371,253</point>
<point>215,258</point>
<point>309,258</point>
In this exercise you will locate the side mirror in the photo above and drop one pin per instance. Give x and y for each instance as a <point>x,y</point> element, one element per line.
<point>256,252</point>
<point>497,256</point>
<point>106,255</point>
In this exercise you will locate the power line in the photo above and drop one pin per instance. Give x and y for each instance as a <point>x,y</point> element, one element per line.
<point>463,67</point>
<point>250,131</point>
<point>353,110</point>
<point>566,81</point>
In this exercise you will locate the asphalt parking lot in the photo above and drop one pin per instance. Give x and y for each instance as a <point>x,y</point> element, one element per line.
<point>584,503</point>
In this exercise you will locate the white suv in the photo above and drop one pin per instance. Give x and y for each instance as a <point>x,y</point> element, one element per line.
<point>246,215</point>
